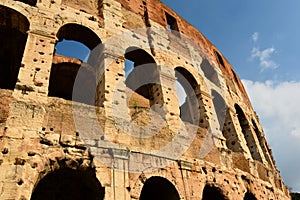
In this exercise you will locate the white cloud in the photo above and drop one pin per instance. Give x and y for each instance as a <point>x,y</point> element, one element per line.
<point>296,133</point>
<point>277,106</point>
<point>264,57</point>
<point>255,36</point>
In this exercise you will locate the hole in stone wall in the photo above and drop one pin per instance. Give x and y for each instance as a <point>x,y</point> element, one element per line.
<point>29,2</point>
<point>249,196</point>
<point>68,71</point>
<point>159,188</point>
<point>186,91</point>
<point>204,170</point>
<point>211,192</point>
<point>235,77</point>
<point>219,58</point>
<point>62,78</point>
<point>68,184</point>
<point>142,78</point>
<point>13,37</point>
<point>172,24</point>
<point>246,130</point>
<point>262,143</point>
<point>220,107</point>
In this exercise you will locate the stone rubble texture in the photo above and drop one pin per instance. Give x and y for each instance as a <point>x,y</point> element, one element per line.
<point>114,146</point>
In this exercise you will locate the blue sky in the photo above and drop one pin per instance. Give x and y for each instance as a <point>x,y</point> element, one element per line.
<point>260,38</point>
<point>230,25</point>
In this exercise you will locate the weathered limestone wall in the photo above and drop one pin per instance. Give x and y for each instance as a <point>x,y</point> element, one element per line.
<point>112,140</point>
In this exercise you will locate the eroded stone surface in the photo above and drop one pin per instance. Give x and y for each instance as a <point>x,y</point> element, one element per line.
<point>115,140</point>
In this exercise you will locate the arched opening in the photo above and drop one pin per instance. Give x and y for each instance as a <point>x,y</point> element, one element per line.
<point>142,78</point>
<point>159,188</point>
<point>219,59</point>
<point>229,132</point>
<point>262,143</point>
<point>211,192</point>
<point>220,107</point>
<point>249,196</point>
<point>79,33</point>
<point>29,2</point>
<point>68,184</point>
<point>246,130</point>
<point>187,87</point>
<point>235,77</point>
<point>209,72</point>
<point>69,66</point>
<point>13,37</point>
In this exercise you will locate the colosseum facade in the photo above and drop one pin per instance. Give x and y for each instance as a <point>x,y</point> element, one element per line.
<point>115,125</point>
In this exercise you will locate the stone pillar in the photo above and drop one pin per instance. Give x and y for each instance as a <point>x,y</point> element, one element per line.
<point>185,167</point>
<point>170,99</point>
<point>34,74</point>
<point>120,177</point>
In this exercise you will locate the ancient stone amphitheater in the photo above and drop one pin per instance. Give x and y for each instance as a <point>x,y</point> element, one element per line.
<point>154,112</point>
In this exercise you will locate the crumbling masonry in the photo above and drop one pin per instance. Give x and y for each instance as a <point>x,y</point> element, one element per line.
<point>73,129</point>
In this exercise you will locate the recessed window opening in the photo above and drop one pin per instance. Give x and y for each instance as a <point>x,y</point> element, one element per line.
<point>13,37</point>
<point>235,77</point>
<point>220,59</point>
<point>159,188</point>
<point>142,78</point>
<point>186,92</point>
<point>68,184</point>
<point>172,24</point>
<point>220,107</point>
<point>249,196</point>
<point>67,73</point>
<point>244,124</point>
<point>211,192</point>
<point>262,143</point>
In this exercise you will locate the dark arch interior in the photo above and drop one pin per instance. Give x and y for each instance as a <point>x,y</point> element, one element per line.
<point>29,2</point>
<point>158,188</point>
<point>262,143</point>
<point>246,130</point>
<point>80,34</point>
<point>13,37</point>
<point>249,196</point>
<point>138,56</point>
<point>213,193</point>
<point>65,77</point>
<point>64,71</point>
<point>144,79</point>
<point>62,79</point>
<point>241,117</point>
<point>67,184</point>
<point>220,59</point>
<point>187,76</point>
<point>188,110</point>
<point>220,107</point>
